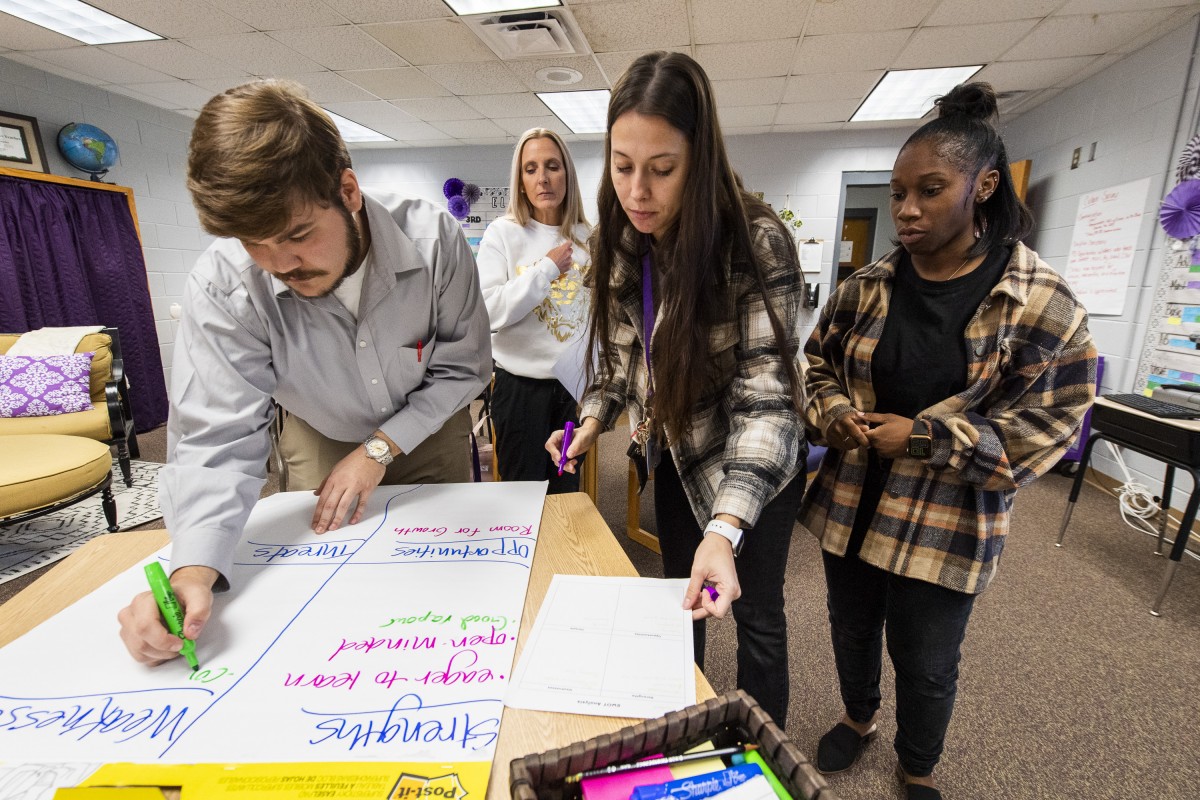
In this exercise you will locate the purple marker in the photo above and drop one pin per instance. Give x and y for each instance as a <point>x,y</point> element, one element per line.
<point>567,431</point>
<point>712,593</point>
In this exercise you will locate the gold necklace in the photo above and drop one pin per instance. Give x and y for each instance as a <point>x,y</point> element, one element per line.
<point>960,266</point>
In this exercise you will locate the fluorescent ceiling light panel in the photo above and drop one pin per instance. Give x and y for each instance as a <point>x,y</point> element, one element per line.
<point>583,112</point>
<point>909,93</point>
<point>465,8</point>
<point>351,131</point>
<point>77,20</point>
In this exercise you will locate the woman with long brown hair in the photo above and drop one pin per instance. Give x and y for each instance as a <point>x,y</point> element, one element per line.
<point>696,290</point>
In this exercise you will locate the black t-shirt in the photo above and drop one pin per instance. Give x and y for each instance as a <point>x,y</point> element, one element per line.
<point>921,356</point>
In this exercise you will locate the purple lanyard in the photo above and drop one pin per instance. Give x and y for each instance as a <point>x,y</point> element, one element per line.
<point>647,320</point>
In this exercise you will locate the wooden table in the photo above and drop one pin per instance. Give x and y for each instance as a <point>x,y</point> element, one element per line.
<point>574,539</point>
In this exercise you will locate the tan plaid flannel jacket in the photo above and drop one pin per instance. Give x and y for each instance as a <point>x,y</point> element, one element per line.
<point>1031,375</point>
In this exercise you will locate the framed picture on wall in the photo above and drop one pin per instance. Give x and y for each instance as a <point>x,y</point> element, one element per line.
<point>21,143</point>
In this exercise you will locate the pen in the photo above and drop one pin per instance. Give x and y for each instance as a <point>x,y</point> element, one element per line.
<point>172,612</point>
<point>658,762</point>
<point>419,347</point>
<point>712,593</point>
<point>562,459</point>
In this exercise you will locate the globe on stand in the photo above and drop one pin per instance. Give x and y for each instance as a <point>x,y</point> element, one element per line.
<point>87,148</point>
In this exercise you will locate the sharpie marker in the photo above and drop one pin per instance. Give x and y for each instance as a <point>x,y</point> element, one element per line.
<point>172,612</point>
<point>567,431</point>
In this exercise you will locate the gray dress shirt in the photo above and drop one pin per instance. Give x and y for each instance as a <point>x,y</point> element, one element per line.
<point>419,352</point>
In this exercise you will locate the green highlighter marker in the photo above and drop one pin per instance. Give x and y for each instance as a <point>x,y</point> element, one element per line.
<point>172,612</point>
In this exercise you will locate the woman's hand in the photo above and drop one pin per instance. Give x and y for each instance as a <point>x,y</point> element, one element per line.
<point>582,439</point>
<point>563,257</point>
<point>712,564</point>
<point>849,431</point>
<point>890,433</point>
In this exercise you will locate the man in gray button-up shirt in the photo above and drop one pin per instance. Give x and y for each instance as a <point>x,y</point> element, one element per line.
<point>359,313</point>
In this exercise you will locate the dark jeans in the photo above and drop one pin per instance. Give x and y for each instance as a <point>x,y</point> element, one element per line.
<point>925,626</point>
<point>762,664</point>
<point>526,411</point>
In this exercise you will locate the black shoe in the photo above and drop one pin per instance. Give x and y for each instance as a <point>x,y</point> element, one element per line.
<point>839,749</point>
<point>916,791</point>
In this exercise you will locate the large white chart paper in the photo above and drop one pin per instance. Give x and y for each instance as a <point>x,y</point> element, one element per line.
<point>615,647</point>
<point>1103,244</point>
<point>391,640</point>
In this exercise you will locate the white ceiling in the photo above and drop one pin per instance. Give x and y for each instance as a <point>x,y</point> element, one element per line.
<point>414,71</point>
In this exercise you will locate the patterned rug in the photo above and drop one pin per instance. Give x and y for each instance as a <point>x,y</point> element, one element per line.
<point>24,548</point>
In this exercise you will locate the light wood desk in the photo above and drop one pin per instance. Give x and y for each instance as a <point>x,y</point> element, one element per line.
<point>574,539</point>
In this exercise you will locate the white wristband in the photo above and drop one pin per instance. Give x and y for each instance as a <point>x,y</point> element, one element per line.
<point>726,531</point>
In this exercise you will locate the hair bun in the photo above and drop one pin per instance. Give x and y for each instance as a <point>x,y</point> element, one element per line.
<point>973,100</point>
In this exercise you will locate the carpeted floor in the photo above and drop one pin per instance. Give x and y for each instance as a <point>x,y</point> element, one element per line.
<point>1068,687</point>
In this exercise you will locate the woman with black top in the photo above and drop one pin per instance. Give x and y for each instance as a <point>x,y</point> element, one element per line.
<point>945,375</point>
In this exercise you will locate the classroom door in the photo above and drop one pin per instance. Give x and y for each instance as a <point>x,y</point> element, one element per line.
<point>858,236</point>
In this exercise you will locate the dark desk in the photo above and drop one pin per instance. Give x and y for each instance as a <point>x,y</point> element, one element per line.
<point>1176,443</point>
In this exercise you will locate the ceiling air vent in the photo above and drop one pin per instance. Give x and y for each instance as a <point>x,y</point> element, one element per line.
<point>531,34</point>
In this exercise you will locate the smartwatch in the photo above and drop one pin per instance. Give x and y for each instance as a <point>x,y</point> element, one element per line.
<point>727,531</point>
<point>378,450</point>
<point>920,441</point>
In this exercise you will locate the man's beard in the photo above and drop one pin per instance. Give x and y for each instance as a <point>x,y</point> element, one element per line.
<point>355,246</point>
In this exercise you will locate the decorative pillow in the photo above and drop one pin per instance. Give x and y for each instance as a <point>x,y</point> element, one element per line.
<point>41,386</point>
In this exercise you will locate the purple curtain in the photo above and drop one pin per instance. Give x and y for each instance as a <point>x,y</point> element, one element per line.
<point>71,256</point>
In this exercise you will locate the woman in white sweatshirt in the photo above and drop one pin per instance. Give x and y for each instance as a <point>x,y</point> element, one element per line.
<point>530,270</point>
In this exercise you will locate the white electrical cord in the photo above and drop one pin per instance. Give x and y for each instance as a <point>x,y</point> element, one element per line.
<point>1136,501</point>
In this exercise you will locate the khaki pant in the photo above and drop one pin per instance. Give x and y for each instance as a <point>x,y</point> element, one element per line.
<point>442,458</point>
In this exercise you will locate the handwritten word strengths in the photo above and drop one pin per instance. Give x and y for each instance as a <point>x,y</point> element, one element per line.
<point>409,720</point>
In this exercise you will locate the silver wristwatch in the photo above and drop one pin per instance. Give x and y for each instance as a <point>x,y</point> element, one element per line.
<point>378,450</point>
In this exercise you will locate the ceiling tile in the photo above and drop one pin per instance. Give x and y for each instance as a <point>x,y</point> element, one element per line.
<point>176,59</point>
<point>390,10</point>
<point>746,131</point>
<point>1109,6</point>
<point>175,93</point>
<point>106,67</point>
<point>956,12</point>
<point>435,41</point>
<point>830,86</point>
<point>436,109</point>
<point>471,129</point>
<point>518,125</point>
<point>961,44</point>
<point>174,19</point>
<point>1081,35</point>
<point>614,64</point>
<point>256,53</point>
<point>31,60</point>
<point>747,59</point>
<point>395,84</point>
<point>215,86</point>
<point>816,127</point>
<point>1019,76</point>
<point>376,115</point>
<point>749,92</point>
<point>745,116</point>
<point>340,48</point>
<point>748,20</point>
<point>849,16</point>
<point>491,78</point>
<point>17,34</point>
<point>329,87</point>
<point>634,24</point>
<point>486,140</point>
<point>526,70</point>
<point>274,15</point>
<point>126,91</point>
<point>416,132</point>
<point>493,106</point>
<point>823,111</point>
<point>846,52</point>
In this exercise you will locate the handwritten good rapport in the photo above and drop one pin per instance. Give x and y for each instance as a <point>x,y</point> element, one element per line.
<point>390,640</point>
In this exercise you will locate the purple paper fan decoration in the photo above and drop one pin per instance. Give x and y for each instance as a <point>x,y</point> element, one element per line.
<point>471,192</point>
<point>459,207</point>
<point>452,188</point>
<point>1180,211</point>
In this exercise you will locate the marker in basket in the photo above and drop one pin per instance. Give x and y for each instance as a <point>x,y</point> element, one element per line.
<point>659,762</point>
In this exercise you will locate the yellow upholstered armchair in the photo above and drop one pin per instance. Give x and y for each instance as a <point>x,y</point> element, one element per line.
<point>110,420</point>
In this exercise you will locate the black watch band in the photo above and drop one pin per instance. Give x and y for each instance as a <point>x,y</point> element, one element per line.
<point>920,441</point>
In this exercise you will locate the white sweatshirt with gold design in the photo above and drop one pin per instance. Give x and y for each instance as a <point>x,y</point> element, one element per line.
<point>535,312</point>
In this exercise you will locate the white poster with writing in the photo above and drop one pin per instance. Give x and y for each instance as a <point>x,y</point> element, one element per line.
<point>1103,243</point>
<point>391,640</point>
